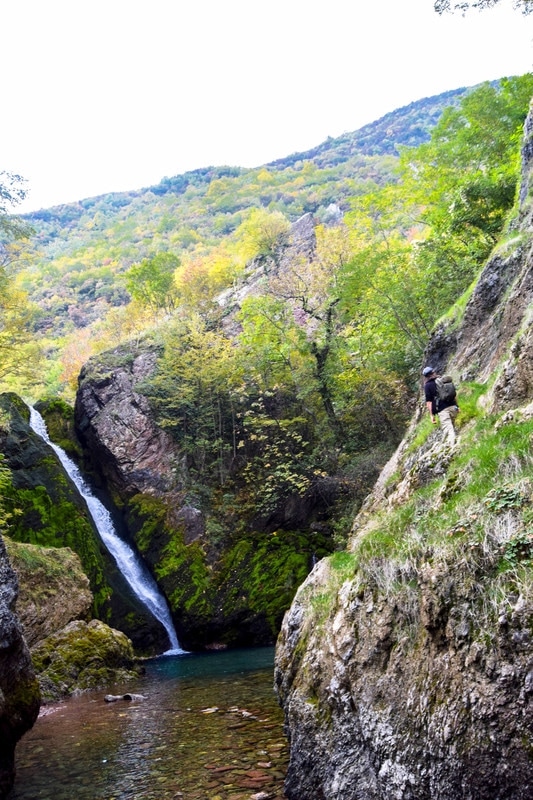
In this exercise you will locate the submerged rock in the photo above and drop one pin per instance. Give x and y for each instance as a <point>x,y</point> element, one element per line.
<point>19,689</point>
<point>128,697</point>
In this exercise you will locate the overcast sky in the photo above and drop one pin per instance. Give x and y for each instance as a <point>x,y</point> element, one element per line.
<point>111,95</point>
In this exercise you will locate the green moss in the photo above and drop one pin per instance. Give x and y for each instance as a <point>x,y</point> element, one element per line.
<point>38,519</point>
<point>181,569</point>
<point>24,698</point>
<point>59,418</point>
<point>45,507</point>
<point>184,573</point>
<point>248,586</point>
<point>263,576</point>
<point>83,656</point>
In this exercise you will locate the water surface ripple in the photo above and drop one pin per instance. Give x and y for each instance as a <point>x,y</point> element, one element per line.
<point>209,728</point>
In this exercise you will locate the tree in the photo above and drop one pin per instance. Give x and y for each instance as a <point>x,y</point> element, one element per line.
<point>5,483</point>
<point>12,228</point>
<point>193,395</point>
<point>310,286</point>
<point>151,281</point>
<point>262,233</point>
<point>18,353</point>
<point>420,242</point>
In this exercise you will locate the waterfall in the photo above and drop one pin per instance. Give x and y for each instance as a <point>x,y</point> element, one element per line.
<point>129,563</point>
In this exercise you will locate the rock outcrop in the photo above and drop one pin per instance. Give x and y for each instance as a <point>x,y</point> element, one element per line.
<point>70,652</point>
<point>117,427</point>
<point>53,589</point>
<point>83,656</point>
<point>389,699</point>
<point>19,689</point>
<point>227,570</point>
<point>220,587</point>
<point>405,665</point>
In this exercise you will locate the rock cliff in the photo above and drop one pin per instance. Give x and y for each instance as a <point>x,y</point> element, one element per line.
<point>48,511</point>
<point>19,689</point>
<point>228,571</point>
<point>405,665</point>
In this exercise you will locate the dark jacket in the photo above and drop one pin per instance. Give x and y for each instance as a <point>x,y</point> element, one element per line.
<point>431,393</point>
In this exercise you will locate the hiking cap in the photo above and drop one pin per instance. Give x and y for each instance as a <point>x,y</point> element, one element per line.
<point>427,371</point>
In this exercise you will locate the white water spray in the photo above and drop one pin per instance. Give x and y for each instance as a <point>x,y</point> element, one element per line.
<point>129,563</point>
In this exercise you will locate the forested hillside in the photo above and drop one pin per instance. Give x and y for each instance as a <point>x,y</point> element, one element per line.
<point>208,218</point>
<point>268,327</point>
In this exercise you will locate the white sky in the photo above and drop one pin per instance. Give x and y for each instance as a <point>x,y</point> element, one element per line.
<point>112,95</point>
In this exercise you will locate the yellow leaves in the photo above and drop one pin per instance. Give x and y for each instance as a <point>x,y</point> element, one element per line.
<point>201,277</point>
<point>261,233</point>
<point>76,352</point>
<point>264,176</point>
<point>218,187</point>
<point>19,354</point>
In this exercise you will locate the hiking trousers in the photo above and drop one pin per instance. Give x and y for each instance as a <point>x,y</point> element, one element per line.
<point>446,418</point>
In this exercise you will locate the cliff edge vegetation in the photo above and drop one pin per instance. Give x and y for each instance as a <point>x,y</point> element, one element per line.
<point>404,665</point>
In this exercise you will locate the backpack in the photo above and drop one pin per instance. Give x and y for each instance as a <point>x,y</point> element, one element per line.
<point>446,391</point>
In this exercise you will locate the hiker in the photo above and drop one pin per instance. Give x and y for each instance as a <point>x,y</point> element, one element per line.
<point>442,400</point>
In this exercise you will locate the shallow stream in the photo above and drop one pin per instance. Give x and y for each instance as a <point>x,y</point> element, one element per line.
<point>209,728</point>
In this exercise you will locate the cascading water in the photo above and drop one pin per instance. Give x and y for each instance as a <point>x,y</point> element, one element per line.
<point>129,563</point>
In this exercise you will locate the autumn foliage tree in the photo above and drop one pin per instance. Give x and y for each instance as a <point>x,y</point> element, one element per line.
<point>151,281</point>
<point>19,352</point>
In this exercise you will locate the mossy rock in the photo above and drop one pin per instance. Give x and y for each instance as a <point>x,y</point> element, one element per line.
<point>237,600</point>
<point>59,418</point>
<point>48,511</point>
<point>81,657</point>
<point>53,589</point>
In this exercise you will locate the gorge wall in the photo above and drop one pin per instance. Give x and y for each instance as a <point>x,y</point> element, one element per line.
<point>19,689</point>
<point>405,665</point>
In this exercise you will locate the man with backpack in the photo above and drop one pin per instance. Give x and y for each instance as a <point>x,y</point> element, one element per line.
<point>441,399</point>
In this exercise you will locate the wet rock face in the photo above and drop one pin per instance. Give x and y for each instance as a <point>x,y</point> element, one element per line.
<point>115,424</point>
<point>19,690</point>
<point>374,715</point>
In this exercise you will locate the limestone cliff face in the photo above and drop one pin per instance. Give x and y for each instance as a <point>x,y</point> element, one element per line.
<point>19,690</point>
<point>396,700</point>
<point>405,665</point>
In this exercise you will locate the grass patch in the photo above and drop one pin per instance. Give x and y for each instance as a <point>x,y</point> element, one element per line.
<point>468,396</point>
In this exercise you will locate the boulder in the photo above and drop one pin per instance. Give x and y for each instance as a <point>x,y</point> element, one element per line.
<point>53,589</point>
<point>117,428</point>
<point>392,696</point>
<point>83,656</point>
